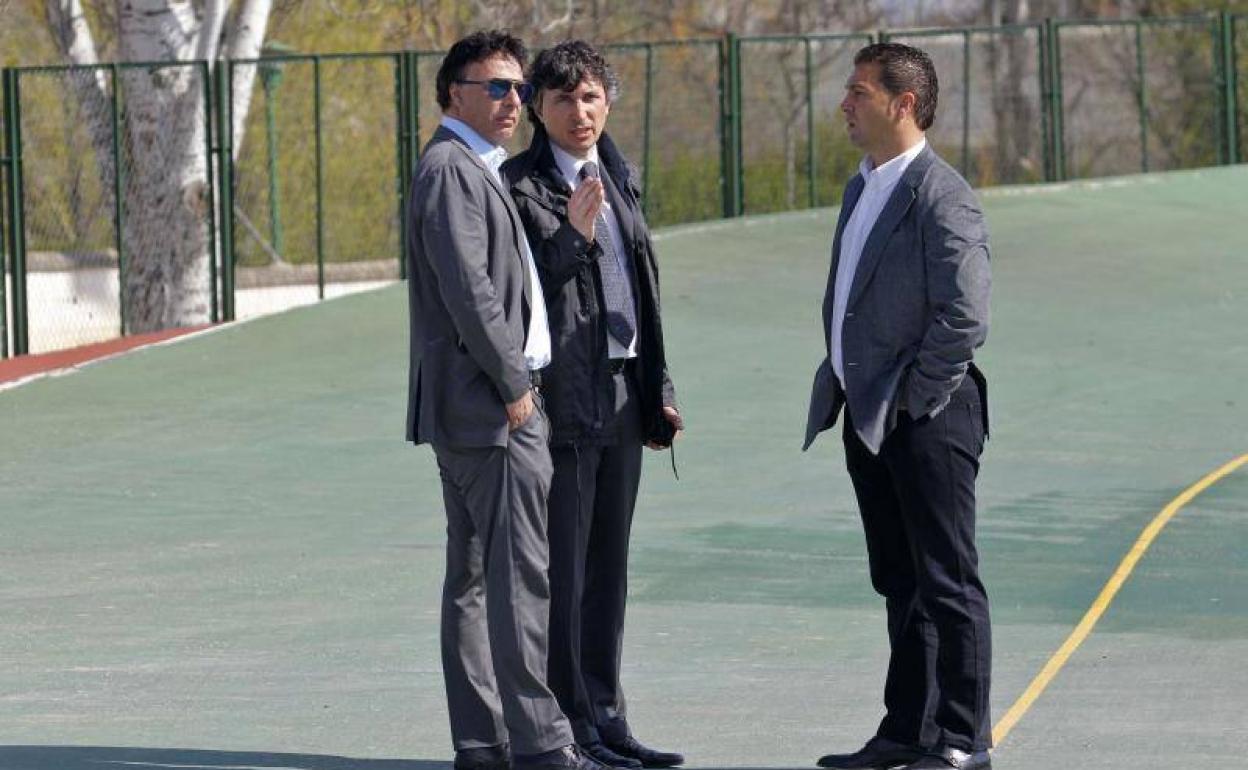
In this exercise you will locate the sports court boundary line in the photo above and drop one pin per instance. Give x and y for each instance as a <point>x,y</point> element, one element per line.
<point>1106,596</point>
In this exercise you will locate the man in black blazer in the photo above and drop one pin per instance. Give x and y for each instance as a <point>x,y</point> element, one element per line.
<point>479,336</point>
<point>607,388</point>
<point>905,308</point>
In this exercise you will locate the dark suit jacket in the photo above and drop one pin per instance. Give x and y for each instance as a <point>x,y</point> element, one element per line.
<point>468,295</point>
<point>918,305</point>
<point>577,387</point>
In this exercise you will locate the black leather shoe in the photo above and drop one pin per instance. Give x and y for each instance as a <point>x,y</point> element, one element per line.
<point>599,751</point>
<point>569,757</point>
<point>648,757</point>
<point>485,758</point>
<point>879,753</point>
<point>946,757</point>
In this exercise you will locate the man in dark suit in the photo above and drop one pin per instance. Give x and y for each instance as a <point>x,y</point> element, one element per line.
<point>479,336</point>
<point>607,387</point>
<point>905,308</point>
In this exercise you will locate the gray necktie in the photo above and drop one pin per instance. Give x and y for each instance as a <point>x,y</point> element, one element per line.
<point>617,290</point>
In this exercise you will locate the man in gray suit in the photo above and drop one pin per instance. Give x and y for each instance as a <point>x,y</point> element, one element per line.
<point>905,308</point>
<point>479,336</point>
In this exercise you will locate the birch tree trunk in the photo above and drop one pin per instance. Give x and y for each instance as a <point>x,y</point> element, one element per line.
<point>164,162</point>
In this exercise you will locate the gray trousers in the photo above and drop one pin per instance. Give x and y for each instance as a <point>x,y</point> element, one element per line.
<point>496,598</point>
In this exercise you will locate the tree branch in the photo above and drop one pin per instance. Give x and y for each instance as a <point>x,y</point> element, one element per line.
<point>245,40</point>
<point>73,37</point>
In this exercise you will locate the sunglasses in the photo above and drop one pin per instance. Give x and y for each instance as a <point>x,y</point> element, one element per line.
<point>498,88</point>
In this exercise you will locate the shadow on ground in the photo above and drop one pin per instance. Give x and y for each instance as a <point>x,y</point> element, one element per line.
<point>125,758</point>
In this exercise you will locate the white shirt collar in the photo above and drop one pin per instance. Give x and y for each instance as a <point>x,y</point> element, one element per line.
<point>570,166</point>
<point>889,172</point>
<point>492,155</point>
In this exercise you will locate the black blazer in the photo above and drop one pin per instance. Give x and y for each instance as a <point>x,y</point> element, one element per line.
<point>577,385</point>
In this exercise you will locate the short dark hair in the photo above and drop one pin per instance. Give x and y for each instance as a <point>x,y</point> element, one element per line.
<point>565,65</point>
<point>478,46</point>
<point>905,68</point>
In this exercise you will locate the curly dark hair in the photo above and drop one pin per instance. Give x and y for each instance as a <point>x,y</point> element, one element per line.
<point>478,46</point>
<point>905,68</point>
<point>565,65</point>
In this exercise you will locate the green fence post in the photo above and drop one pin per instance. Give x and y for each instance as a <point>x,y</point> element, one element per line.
<point>270,76</point>
<point>414,96</point>
<point>1142,96</point>
<point>119,215</point>
<point>225,172</point>
<point>320,179</point>
<point>413,127</point>
<point>738,127</point>
<point>4,237</point>
<point>647,112</point>
<point>1046,103</point>
<point>16,203</point>
<point>966,103</point>
<point>1058,107</point>
<point>730,179</point>
<point>810,125</point>
<point>1230,86</point>
<point>205,72</point>
<point>400,141</point>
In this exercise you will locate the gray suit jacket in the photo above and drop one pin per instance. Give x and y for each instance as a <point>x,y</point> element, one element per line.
<point>469,301</point>
<point>918,305</point>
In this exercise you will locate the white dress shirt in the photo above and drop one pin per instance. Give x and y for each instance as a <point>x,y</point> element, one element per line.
<point>537,340</point>
<point>880,183</point>
<point>570,167</point>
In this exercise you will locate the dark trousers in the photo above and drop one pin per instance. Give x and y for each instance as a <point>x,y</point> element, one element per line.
<point>593,491</point>
<point>495,598</point>
<point>917,500</point>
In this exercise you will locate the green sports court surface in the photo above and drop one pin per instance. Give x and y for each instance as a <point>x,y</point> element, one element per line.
<point>220,553</point>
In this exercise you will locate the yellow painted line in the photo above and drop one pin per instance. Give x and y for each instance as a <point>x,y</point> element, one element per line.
<point>1146,538</point>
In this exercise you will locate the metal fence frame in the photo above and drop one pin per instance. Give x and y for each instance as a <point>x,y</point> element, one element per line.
<point>1235,111</point>
<point>226,165</point>
<point>1217,25</point>
<point>409,92</point>
<point>968,34</point>
<point>15,203</point>
<point>738,108</point>
<point>13,250</point>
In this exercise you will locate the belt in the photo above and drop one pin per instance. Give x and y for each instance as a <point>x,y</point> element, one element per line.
<point>535,378</point>
<point>617,365</point>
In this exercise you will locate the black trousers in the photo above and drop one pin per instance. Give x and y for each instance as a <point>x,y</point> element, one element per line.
<point>917,500</point>
<point>592,495</point>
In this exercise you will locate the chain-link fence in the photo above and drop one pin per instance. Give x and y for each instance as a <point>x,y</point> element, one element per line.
<point>317,178</point>
<point>677,134</point>
<point>72,283</point>
<point>1138,95</point>
<point>1236,41</point>
<point>989,114</point>
<point>793,150</point>
<point>114,204</point>
<point>667,120</point>
<point>123,211</point>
